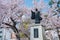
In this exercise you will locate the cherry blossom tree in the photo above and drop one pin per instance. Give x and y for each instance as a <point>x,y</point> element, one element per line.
<point>14,12</point>
<point>11,14</point>
<point>51,17</point>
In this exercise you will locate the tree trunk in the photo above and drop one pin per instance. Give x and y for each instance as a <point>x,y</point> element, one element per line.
<point>13,27</point>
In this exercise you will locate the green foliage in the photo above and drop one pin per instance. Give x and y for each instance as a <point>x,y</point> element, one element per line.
<point>51,2</point>
<point>55,14</point>
<point>45,15</point>
<point>22,35</point>
<point>26,25</point>
<point>58,3</point>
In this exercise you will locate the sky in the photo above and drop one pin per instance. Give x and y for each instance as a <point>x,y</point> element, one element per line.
<point>28,3</point>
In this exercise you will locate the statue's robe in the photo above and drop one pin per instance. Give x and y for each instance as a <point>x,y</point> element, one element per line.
<point>37,17</point>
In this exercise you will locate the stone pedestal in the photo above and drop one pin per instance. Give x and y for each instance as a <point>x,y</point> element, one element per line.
<point>36,32</point>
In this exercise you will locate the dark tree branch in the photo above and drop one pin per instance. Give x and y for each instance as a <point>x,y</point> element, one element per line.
<point>6,24</point>
<point>12,27</point>
<point>14,23</point>
<point>26,35</point>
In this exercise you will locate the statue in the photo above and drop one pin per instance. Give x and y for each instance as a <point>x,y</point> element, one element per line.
<point>32,15</point>
<point>36,15</point>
